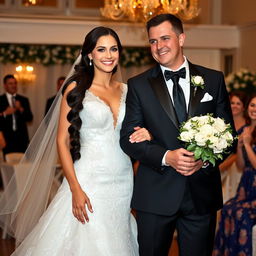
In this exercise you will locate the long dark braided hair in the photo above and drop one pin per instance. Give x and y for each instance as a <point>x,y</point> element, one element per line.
<point>83,76</point>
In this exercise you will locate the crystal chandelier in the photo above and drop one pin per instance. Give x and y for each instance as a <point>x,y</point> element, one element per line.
<point>143,10</point>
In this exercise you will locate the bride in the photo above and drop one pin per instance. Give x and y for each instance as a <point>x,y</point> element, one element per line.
<point>90,215</point>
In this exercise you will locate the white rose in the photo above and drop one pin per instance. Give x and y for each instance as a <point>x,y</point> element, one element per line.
<point>220,145</point>
<point>187,126</point>
<point>207,130</point>
<point>198,80</point>
<point>219,125</point>
<point>187,136</point>
<point>200,139</point>
<point>227,136</point>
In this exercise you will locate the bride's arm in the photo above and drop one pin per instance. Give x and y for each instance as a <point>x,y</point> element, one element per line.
<point>140,135</point>
<point>79,198</point>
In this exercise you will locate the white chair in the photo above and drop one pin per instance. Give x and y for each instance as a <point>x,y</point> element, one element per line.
<point>230,181</point>
<point>6,173</point>
<point>14,157</point>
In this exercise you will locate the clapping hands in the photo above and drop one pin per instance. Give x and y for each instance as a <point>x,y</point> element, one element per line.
<point>245,138</point>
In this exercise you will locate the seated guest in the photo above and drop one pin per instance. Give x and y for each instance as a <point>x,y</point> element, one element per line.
<point>238,100</point>
<point>50,100</point>
<point>14,114</point>
<point>229,173</point>
<point>238,216</point>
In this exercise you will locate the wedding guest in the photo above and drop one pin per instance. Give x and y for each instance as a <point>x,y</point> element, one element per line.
<point>49,102</point>
<point>238,216</point>
<point>15,114</point>
<point>228,167</point>
<point>238,100</point>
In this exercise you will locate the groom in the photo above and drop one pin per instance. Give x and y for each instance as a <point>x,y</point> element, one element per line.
<point>172,190</point>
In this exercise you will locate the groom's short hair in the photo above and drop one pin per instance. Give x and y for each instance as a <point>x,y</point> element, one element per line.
<point>157,20</point>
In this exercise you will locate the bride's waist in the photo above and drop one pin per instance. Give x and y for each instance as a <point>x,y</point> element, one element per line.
<point>100,146</point>
<point>101,142</point>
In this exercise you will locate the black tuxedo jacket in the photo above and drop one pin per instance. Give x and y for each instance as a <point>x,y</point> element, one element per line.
<point>16,141</point>
<point>160,189</point>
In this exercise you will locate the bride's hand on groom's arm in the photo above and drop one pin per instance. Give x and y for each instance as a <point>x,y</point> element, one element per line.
<point>140,135</point>
<point>79,202</point>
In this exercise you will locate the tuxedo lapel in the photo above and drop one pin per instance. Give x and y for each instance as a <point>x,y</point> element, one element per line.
<point>160,89</point>
<point>196,93</point>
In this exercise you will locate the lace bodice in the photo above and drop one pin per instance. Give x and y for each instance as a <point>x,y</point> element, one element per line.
<point>97,118</point>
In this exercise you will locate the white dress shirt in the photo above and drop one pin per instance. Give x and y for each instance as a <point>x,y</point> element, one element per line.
<point>9,98</point>
<point>185,85</point>
<point>10,101</point>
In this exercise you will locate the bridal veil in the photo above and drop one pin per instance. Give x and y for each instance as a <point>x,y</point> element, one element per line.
<point>26,196</point>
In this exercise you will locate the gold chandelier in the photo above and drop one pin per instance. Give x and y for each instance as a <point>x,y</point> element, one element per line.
<point>31,2</point>
<point>24,74</point>
<point>143,10</point>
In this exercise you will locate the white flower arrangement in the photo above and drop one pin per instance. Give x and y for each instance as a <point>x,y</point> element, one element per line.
<point>197,81</point>
<point>243,80</point>
<point>206,136</point>
<point>63,54</point>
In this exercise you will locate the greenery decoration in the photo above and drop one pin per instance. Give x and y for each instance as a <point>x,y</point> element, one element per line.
<point>243,80</point>
<point>64,54</point>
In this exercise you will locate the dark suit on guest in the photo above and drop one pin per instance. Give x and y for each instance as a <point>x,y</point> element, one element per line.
<point>49,103</point>
<point>160,190</point>
<point>16,140</point>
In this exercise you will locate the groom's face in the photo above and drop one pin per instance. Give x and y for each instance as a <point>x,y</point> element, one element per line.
<point>166,45</point>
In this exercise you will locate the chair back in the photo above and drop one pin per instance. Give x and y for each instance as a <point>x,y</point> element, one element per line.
<point>1,156</point>
<point>14,157</point>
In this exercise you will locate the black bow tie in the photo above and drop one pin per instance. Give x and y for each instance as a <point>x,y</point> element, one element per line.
<point>170,74</point>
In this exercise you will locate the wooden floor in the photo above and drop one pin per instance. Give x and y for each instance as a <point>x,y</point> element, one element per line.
<point>7,247</point>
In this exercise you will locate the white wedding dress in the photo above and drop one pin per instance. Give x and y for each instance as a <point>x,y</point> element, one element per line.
<point>105,174</point>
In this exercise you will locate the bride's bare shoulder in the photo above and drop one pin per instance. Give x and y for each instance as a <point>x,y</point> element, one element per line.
<point>67,88</point>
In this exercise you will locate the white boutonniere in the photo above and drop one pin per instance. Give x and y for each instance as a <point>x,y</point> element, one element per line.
<point>197,81</point>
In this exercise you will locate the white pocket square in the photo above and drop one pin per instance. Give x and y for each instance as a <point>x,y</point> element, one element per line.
<point>207,97</point>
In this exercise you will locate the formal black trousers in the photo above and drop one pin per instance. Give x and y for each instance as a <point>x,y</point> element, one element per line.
<point>195,232</point>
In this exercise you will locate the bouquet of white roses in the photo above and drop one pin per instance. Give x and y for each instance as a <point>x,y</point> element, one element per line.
<point>207,137</point>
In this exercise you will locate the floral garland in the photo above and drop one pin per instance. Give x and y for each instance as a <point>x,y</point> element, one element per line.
<point>63,54</point>
<point>243,80</point>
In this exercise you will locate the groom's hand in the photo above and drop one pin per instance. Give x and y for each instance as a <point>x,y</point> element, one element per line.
<point>183,161</point>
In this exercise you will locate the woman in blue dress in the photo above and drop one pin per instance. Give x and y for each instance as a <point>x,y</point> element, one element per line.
<point>238,216</point>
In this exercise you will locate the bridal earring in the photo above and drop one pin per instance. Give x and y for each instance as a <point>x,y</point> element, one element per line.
<point>90,63</point>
